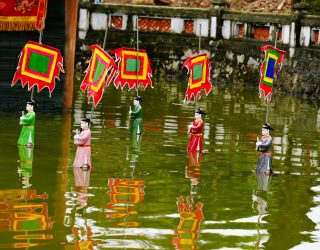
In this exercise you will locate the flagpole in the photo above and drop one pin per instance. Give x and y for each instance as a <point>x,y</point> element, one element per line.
<point>137,80</point>
<point>199,49</point>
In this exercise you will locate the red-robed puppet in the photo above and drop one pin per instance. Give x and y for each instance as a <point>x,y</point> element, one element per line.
<point>82,140</point>
<point>196,132</point>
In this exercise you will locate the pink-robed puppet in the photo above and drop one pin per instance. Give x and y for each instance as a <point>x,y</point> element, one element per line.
<point>82,140</point>
<point>196,133</point>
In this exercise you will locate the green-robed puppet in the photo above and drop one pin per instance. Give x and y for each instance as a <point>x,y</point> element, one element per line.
<point>136,117</point>
<point>27,121</point>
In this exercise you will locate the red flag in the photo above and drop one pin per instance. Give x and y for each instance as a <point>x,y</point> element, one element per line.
<point>42,13</point>
<point>101,63</point>
<point>133,68</point>
<point>270,66</point>
<point>39,65</point>
<point>199,69</point>
<point>19,15</point>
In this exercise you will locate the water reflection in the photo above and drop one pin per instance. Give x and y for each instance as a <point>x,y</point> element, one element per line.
<point>124,193</point>
<point>25,166</point>
<point>22,214</point>
<point>291,209</point>
<point>259,196</point>
<point>190,212</point>
<point>260,201</point>
<point>23,211</point>
<point>189,226</point>
<point>193,170</point>
<point>81,229</point>
<point>81,184</point>
<point>133,155</point>
<point>314,215</point>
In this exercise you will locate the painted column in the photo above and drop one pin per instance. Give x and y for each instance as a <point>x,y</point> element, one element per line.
<point>226,29</point>
<point>293,35</point>
<point>213,31</point>
<point>99,21</point>
<point>305,36</point>
<point>71,15</point>
<point>285,34</point>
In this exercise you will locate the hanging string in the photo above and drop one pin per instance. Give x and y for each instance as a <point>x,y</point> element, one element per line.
<point>137,80</point>
<point>267,111</point>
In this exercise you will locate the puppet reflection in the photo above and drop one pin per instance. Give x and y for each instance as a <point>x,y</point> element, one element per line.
<point>81,184</point>
<point>192,171</point>
<point>135,147</point>
<point>259,199</point>
<point>81,231</point>
<point>190,211</point>
<point>25,167</point>
<point>259,196</point>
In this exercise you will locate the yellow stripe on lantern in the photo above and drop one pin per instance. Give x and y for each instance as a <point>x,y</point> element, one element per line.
<point>145,65</point>
<point>105,58</point>
<point>23,66</point>
<point>204,70</point>
<point>265,78</point>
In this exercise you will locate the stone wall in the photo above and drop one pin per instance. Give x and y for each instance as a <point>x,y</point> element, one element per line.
<point>238,63</point>
<point>231,39</point>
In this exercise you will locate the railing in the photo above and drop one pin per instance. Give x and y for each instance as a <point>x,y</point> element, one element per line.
<point>213,23</point>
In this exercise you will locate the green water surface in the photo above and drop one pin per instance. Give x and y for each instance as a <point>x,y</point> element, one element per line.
<point>240,210</point>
